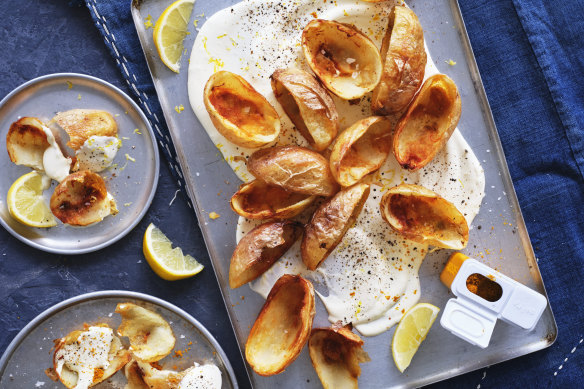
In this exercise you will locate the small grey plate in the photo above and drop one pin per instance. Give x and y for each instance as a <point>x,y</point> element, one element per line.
<point>30,353</point>
<point>132,182</point>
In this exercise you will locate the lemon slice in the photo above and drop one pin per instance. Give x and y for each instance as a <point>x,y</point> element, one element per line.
<point>170,30</point>
<point>169,263</point>
<point>26,203</point>
<point>412,331</point>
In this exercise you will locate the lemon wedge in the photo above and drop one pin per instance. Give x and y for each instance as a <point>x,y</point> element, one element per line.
<point>26,203</point>
<point>170,31</point>
<point>169,263</point>
<point>412,331</point>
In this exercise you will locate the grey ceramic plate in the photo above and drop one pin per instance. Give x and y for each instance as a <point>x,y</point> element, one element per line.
<point>132,183</point>
<point>29,354</point>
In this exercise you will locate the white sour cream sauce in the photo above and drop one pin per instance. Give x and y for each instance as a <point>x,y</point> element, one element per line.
<point>201,377</point>
<point>88,353</point>
<point>97,153</point>
<point>371,278</point>
<point>55,164</point>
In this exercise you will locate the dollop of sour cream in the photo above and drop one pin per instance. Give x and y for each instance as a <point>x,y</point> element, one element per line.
<point>201,377</point>
<point>55,164</point>
<point>97,153</point>
<point>88,353</point>
<point>371,278</point>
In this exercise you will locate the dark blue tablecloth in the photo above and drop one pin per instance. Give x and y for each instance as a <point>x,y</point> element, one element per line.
<point>529,54</point>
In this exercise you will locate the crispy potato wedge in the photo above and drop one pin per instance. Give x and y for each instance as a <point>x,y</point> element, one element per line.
<point>428,123</point>
<point>404,63</point>
<point>360,149</point>
<point>282,327</point>
<point>143,375</point>
<point>294,168</point>
<point>151,337</point>
<point>257,251</point>
<point>82,199</point>
<point>239,112</point>
<point>330,222</point>
<point>258,200</point>
<point>133,375</point>
<point>344,59</point>
<point>335,353</point>
<point>70,348</point>
<point>308,105</point>
<point>80,124</point>
<point>26,142</point>
<point>423,216</point>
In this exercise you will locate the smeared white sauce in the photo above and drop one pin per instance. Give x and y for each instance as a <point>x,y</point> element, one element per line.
<point>88,353</point>
<point>55,164</point>
<point>97,153</point>
<point>201,377</point>
<point>371,278</point>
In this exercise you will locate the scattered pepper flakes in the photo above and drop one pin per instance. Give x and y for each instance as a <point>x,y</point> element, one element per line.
<point>314,15</point>
<point>450,62</point>
<point>148,23</point>
<point>179,108</point>
<point>213,215</point>
<point>178,353</point>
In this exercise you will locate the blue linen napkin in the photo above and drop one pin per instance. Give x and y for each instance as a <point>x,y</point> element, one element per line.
<point>530,55</point>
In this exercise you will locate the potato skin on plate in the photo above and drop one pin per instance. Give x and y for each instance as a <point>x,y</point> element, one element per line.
<point>428,123</point>
<point>346,61</point>
<point>82,199</point>
<point>81,124</point>
<point>308,105</point>
<point>335,353</point>
<point>294,168</point>
<point>258,200</point>
<point>423,216</point>
<point>26,142</point>
<point>404,63</point>
<point>361,149</point>
<point>239,112</point>
<point>257,251</point>
<point>282,327</point>
<point>330,222</point>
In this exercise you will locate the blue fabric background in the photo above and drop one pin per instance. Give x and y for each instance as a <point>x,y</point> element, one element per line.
<point>530,55</point>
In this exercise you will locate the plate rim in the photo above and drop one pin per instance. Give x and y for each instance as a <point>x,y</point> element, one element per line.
<point>54,309</point>
<point>153,188</point>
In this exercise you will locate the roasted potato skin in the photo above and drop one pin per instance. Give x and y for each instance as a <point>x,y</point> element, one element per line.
<point>294,168</point>
<point>78,198</point>
<point>336,52</point>
<point>286,317</point>
<point>257,251</point>
<point>404,63</point>
<point>335,353</point>
<point>27,136</point>
<point>239,112</point>
<point>81,124</point>
<point>330,222</point>
<point>428,123</point>
<point>421,215</point>
<point>258,200</point>
<point>308,105</point>
<point>361,149</point>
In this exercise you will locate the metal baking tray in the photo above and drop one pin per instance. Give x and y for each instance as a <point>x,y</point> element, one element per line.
<point>30,353</point>
<point>499,237</point>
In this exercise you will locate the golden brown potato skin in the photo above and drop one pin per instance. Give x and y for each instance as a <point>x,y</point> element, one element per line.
<point>404,63</point>
<point>81,124</point>
<point>26,142</point>
<point>346,61</point>
<point>361,149</point>
<point>282,327</point>
<point>335,353</point>
<point>258,200</point>
<point>257,251</point>
<point>330,222</point>
<point>239,112</point>
<point>294,168</point>
<point>308,105</point>
<point>421,215</point>
<point>428,123</point>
